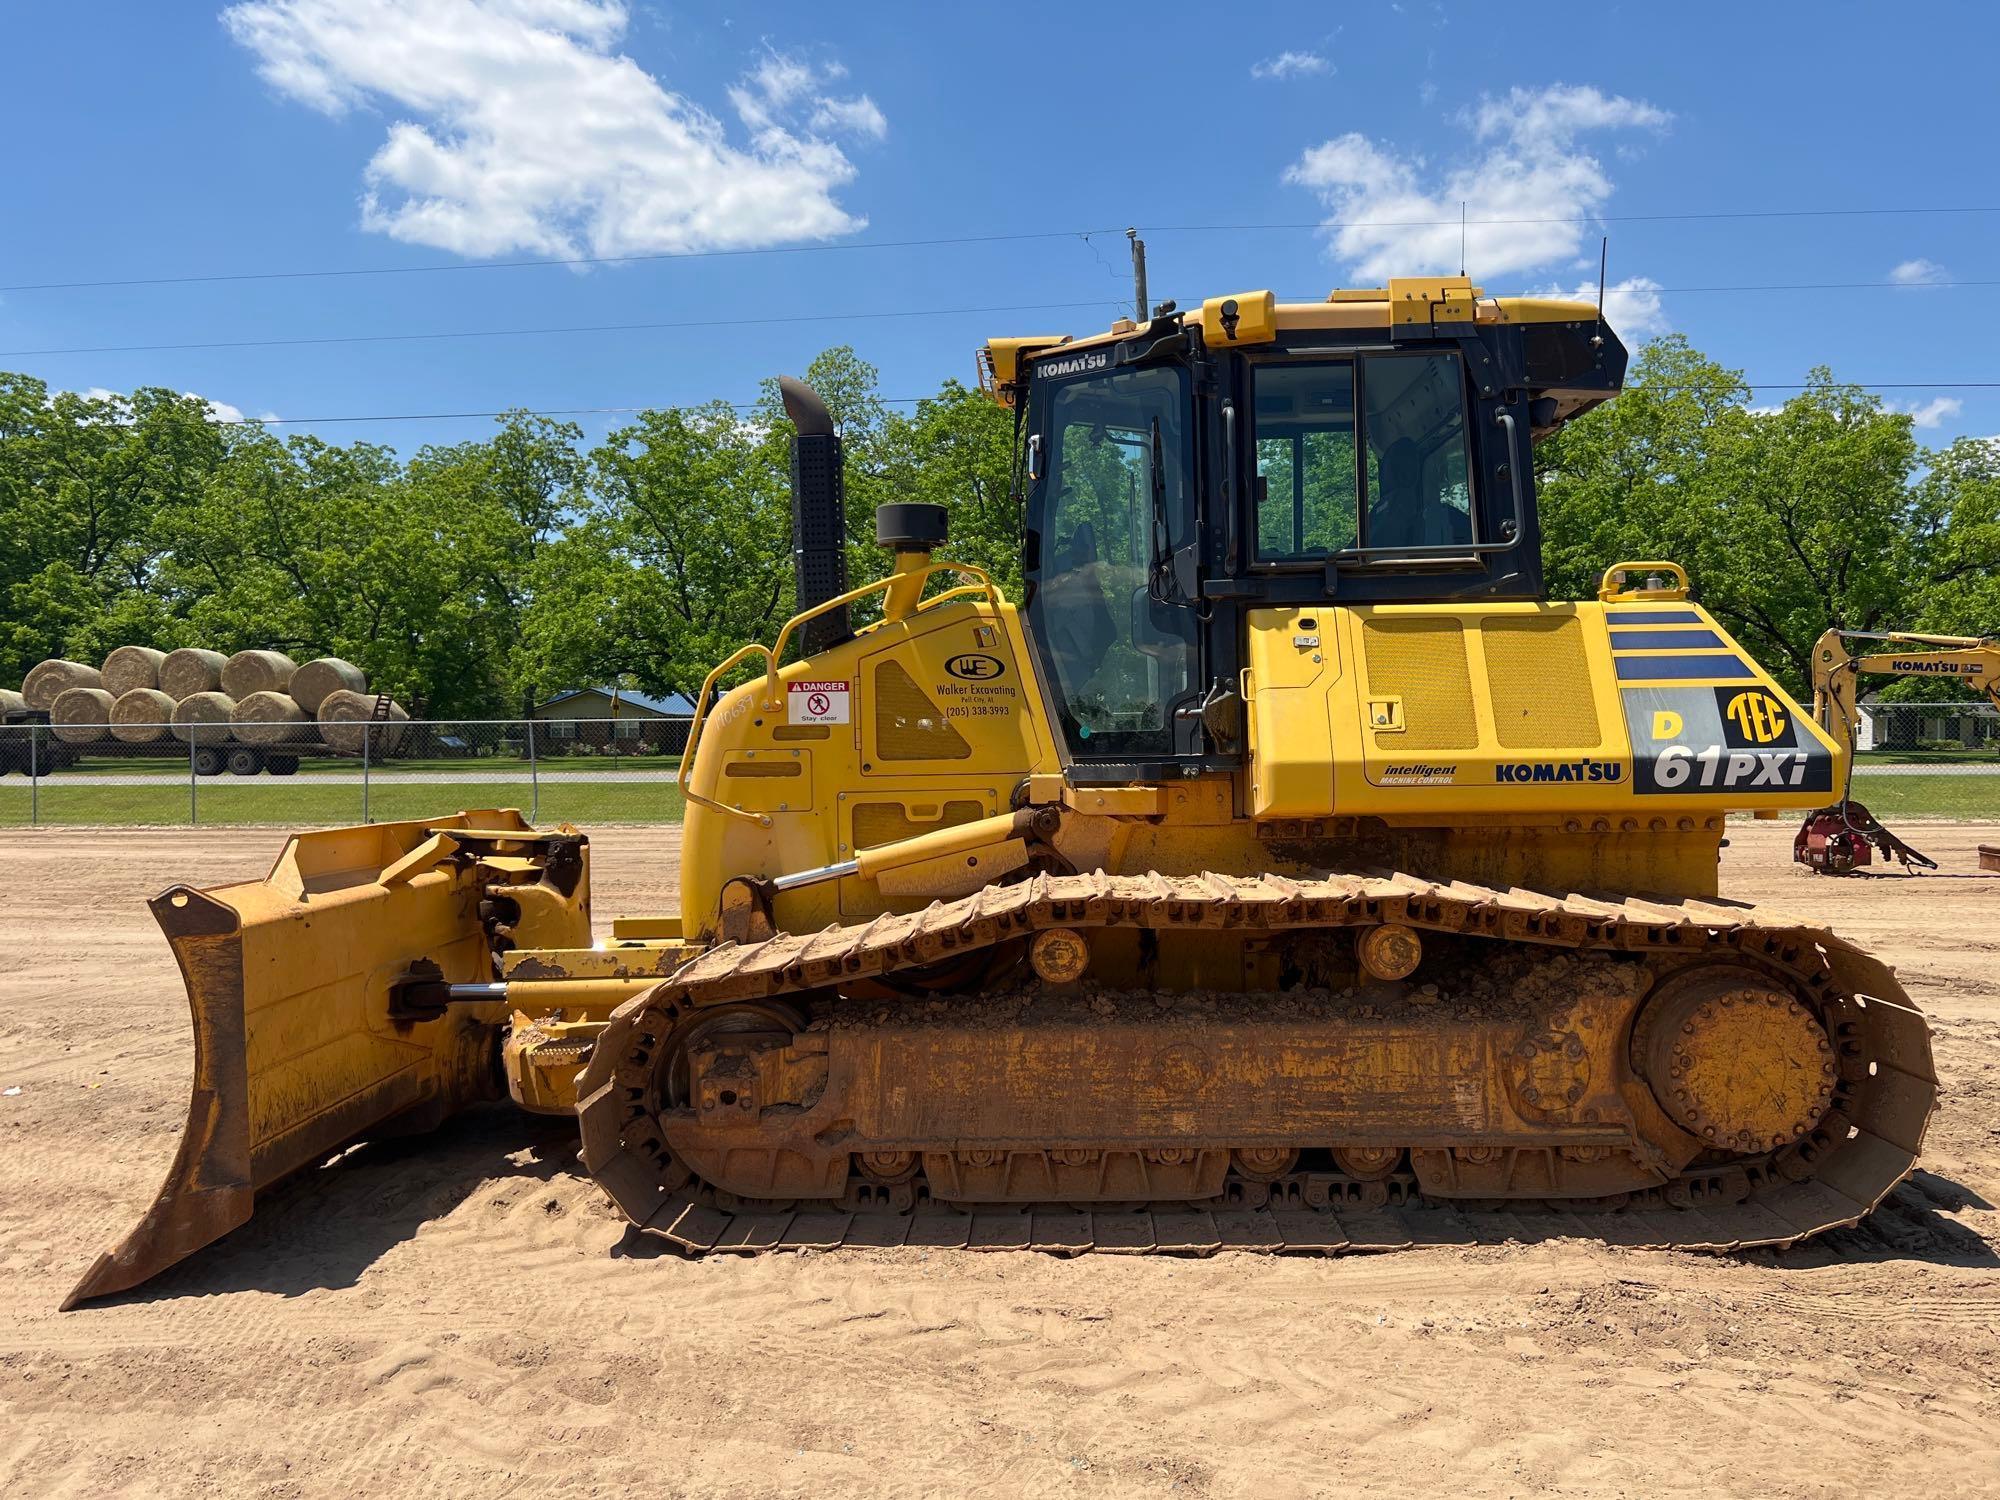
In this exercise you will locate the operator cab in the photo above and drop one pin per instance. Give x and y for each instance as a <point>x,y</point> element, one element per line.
<point>1373,448</point>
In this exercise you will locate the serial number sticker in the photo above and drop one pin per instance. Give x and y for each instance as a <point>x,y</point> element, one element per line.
<point>817,703</point>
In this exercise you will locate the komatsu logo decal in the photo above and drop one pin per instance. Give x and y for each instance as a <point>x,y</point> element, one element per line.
<point>1931,664</point>
<point>1076,364</point>
<point>1560,770</point>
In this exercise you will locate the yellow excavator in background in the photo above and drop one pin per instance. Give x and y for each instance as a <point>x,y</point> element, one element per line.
<point>1283,871</point>
<point>1836,840</point>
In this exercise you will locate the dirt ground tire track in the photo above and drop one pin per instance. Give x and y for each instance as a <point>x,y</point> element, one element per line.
<point>1867,1144</point>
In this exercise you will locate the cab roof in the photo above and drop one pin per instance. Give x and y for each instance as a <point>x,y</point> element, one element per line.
<point>1412,307</point>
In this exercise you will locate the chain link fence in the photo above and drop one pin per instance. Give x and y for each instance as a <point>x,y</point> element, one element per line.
<point>557,770</point>
<point>1928,760</point>
<point>1917,760</point>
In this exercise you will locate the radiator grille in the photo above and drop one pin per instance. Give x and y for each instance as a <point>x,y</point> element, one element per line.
<point>877,823</point>
<point>1423,662</point>
<point>1540,681</point>
<point>908,725</point>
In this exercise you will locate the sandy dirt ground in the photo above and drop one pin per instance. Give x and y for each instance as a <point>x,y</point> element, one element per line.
<point>463,1315</point>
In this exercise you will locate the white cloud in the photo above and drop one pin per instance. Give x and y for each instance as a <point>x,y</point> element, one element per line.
<point>1396,214</point>
<point>1632,306</point>
<point>218,411</point>
<point>1932,413</point>
<point>1918,272</point>
<point>857,116</point>
<point>515,126</point>
<point>1290,65</point>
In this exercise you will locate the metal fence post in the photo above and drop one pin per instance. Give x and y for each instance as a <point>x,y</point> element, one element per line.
<point>365,727</point>
<point>194,807</point>
<point>34,774</point>
<point>534,779</point>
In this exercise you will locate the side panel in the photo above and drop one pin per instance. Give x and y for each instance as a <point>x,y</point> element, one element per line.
<point>1647,713</point>
<point>905,727</point>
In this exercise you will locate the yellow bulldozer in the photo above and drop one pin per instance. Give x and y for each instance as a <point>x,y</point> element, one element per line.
<point>1281,872</point>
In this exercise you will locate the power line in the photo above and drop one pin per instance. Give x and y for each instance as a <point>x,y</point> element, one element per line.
<point>930,312</point>
<point>592,411</point>
<point>970,239</point>
<point>558,411</point>
<point>1781,286</point>
<point>570,260</point>
<point>1759,213</point>
<point>498,333</point>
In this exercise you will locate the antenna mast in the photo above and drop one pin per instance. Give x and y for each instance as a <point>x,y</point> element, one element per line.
<point>1138,272</point>
<point>1603,259</point>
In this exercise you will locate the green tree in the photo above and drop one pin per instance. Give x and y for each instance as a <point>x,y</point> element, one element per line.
<point>82,481</point>
<point>1789,521</point>
<point>681,554</point>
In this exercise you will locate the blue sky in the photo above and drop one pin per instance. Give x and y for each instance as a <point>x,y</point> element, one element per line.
<point>166,140</point>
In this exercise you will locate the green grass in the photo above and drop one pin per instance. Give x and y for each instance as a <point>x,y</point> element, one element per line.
<point>226,801</point>
<point>1986,755</point>
<point>176,765</point>
<point>1892,797</point>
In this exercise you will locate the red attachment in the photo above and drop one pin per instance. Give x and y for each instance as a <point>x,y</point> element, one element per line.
<point>1830,844</point>
<point>1836,841</point>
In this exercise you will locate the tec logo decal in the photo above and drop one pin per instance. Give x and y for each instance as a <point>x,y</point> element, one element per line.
<point>1753,717</point>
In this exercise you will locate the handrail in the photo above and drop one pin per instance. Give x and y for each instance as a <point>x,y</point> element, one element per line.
<point>881,585</point>
<point>694,735</point>
<point>774,655</point>
<point>1610,592</point>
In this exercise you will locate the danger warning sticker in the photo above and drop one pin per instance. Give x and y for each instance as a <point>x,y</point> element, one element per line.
<point>816,703</point>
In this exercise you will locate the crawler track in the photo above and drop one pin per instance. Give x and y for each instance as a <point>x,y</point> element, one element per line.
<point>1864,1146</point>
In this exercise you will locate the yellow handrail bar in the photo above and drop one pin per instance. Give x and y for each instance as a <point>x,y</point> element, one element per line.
<point>1611,588</point>
<point>694,733</point>
<point>880,585</point>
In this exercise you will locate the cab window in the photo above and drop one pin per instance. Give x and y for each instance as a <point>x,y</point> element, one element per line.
<point>1360,453</point>
<point>1306,492</point>
<point>1413,416</point>
<point>1115,501</point>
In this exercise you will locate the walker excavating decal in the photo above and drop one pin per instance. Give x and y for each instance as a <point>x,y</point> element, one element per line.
<point>1692,740</point>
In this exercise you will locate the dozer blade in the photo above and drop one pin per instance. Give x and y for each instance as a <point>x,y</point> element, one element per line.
<point>303,1041</point>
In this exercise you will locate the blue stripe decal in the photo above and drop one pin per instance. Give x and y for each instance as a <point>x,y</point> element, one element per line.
<point>1667,640</point>
<point>1652,617</point>
<point>1681,668</point>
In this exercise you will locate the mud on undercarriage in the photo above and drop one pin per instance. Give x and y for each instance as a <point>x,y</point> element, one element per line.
<point>1651,1073</point>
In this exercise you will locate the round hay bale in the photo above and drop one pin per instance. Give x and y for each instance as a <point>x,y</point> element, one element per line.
<point>132,667</point>
<point>49,680</point>
<point>203,719</point>
<point>270,719</point>
<point>191,670</point>
<point>327,674</point>
<point>345,717</point>
<point>141,716</point>
<point>12,702</point>
<point>81,716</point>
<point>250,672</point>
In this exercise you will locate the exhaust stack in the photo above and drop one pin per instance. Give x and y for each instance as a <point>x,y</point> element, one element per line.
<point>819,516</point>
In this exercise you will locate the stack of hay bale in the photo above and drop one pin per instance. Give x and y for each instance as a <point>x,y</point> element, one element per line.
<point>141,696</point>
